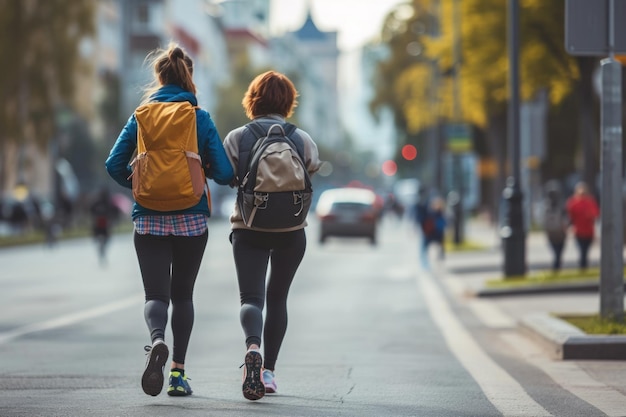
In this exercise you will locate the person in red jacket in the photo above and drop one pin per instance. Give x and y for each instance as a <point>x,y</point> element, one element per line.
<point>583,211</point>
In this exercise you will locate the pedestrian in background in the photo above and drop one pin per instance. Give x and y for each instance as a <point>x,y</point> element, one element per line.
<point>583,211</point>
<point>103,215</point>
<point>270,99</point>
<point>170,244</point>
<point>421,208</point>
<point>433,228</point>
<point>420,213</point>
<point>555,223</point>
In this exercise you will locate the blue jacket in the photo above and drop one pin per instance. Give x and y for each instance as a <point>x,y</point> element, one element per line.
<point>210,149</point>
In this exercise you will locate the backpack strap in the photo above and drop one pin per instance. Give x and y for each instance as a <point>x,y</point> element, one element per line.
<point>249,143</point>
<point>249,137</point>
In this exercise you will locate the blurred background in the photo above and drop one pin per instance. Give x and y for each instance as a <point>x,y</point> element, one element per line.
<point>420,102</point>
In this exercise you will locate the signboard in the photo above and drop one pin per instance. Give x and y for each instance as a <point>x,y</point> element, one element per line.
<point>459,138</point>
<point>587,27</point>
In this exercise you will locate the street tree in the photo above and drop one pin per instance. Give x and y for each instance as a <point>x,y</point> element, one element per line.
<point>482,73</point>
<point>39,48</point>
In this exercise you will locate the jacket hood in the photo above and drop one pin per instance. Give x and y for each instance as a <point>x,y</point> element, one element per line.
<point>172,92</point>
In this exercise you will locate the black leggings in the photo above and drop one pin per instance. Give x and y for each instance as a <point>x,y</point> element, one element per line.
<point>584,243</point>
<point>253,251</point>
<point>169,266</point>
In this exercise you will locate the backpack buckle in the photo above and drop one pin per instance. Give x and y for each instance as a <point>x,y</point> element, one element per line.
<point>260,200</point>
<point>298,200</point>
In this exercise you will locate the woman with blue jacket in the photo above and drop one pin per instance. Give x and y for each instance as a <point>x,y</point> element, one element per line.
<point>170,244</point>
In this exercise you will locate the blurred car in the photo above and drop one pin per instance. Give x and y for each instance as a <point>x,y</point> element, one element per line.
<point>347,212</point>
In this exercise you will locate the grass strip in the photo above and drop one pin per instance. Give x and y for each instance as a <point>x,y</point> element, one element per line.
<point>595,324</point>
<point>546,278</point>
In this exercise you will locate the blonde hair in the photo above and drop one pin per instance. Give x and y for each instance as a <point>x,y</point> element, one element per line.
<point>171,66</point>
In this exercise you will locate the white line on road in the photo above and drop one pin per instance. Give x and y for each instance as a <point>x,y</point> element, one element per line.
<point>502,390</point>
<point>71,318</point>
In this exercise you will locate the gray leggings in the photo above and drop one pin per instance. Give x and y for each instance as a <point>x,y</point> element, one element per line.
<point>253,251</point>
<point>169,266</point>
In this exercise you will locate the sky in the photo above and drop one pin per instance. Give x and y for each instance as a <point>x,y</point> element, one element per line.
<point>356,21</point>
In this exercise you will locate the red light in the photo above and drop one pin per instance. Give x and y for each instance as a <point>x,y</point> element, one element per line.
<point>409,152</point>
<point>389,168</point>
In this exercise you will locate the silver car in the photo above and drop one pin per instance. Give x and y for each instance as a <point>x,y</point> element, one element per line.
<point>347,212</point>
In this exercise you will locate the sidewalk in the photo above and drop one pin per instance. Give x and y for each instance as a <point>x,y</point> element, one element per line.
<point>533,308</point>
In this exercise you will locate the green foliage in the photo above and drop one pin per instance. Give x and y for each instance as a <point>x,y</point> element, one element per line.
<point>39,49</point>
<point>400,80</point>
<point>594,324</point>
<point>405,84</point>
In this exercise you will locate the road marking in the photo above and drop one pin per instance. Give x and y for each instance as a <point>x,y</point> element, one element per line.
<point>571,377</point>
<point>72,318</point>
<point>502,390</point>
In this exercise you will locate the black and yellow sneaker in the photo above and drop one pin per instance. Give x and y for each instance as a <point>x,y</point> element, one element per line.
<point>152,379</point>
<point>178,384</point>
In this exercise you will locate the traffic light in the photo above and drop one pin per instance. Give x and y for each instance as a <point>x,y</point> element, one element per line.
<point>389,168</point>
<point>409,152</point>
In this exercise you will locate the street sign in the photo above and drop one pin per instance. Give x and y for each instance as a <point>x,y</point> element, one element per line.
<point>459,137</point>
<point>587,27</point>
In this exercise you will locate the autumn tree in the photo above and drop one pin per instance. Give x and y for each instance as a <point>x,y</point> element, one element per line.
<point>39,49</point>
<point>403,82</point>
<point>483,70</point>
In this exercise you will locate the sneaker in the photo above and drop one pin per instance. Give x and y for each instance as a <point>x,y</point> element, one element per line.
<point>152,379</point>
<point>179,386</point>
<point>252,387</point>
<point>269,380</point>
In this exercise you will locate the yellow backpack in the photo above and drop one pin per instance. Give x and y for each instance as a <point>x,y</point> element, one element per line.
<point>167,171</point>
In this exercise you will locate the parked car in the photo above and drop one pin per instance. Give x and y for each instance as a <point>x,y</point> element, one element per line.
<point>347,212</point>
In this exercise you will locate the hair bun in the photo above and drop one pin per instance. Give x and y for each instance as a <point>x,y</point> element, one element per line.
<point>177,53</point>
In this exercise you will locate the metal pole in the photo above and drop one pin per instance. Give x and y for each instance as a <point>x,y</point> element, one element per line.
<point>459,212</point>
<point>612,239</point>
<point>513,232</point>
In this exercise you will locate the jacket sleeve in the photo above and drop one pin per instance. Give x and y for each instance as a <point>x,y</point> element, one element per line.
<point>212,151</point>
<point>117,164</point>
<point>311,154</point>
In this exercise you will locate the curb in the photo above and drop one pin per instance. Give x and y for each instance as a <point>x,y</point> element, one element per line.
<point>566,341</point>
<point>593,286</point>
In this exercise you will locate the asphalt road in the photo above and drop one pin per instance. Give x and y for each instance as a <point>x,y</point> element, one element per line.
<point>370,334</point>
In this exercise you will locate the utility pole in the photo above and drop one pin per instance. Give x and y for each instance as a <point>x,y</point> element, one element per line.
<point>457,201</point>
<point>595,29</point>
<point>513,233</point>
<point>612,239</point>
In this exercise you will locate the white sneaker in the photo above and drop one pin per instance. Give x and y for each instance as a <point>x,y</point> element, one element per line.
<point>269,380</point>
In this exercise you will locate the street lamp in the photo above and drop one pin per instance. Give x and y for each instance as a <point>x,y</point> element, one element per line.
<point>512,232</point>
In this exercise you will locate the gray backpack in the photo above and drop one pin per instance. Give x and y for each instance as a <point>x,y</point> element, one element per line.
<point>555,223</point>
<point>274,185</point>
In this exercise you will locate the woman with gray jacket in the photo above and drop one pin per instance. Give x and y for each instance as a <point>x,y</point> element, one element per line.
<point>270,99</point>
